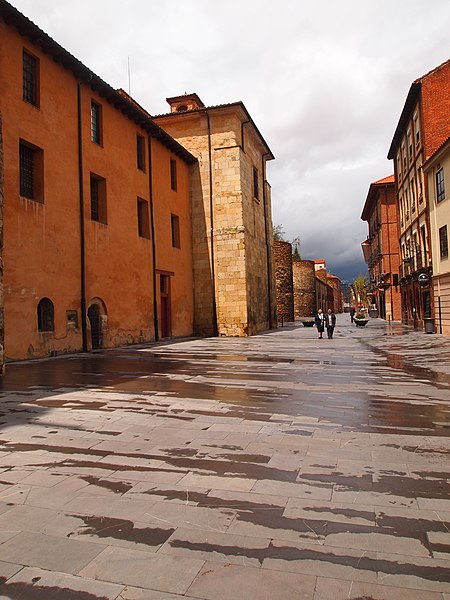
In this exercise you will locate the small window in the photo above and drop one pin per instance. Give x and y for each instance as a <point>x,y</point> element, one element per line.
<point>416,128</point>
<point>31,171</point>
<point>72,319</point>
<point>96,123</point>
<point>255,184</point>
<point>30,78</point>
<point>173,174</point>
<point>98,199</point>
<point>175,224</point>
<point>443,242</point>
<point>45,315</point>
<point>143,220</point>
<point>423,237</point>
<point>410,144</point>
<point>440,188</point>
<point>140,149</point>
<point>413,195</point>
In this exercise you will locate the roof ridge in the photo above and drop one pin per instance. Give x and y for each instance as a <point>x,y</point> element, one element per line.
<point>419,79</point>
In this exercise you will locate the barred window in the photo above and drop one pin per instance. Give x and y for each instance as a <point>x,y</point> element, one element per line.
<point>31,171</point>
<point>26,156</point>
<point>96,123</point>
<point>30,78</point>
<point>98,199</point>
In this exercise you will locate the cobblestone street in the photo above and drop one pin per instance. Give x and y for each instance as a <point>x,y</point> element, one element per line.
<point>275,467</point>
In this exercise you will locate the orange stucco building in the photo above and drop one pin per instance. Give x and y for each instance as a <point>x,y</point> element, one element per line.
<point>97,226</point>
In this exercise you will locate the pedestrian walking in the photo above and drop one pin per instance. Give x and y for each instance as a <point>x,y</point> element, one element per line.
<point>352,313</point>
<point>330,323</point>
<point>319,321</point>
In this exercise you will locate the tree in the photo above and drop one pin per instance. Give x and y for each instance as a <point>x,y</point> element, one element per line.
<point>278,233</point>
<point>360,288</point>
<point>296,246</point>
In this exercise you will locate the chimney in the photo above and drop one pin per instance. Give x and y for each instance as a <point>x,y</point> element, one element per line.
<point>185,103</point>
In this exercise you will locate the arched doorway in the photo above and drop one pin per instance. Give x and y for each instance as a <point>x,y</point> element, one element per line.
<point>96,315</point>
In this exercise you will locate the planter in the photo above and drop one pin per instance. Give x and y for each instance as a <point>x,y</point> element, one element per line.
<point>308,323</point>
<point>361,322</point>
<point>429,325</point>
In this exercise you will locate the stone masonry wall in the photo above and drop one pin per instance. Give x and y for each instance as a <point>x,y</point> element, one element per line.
<point>258,238</point>
<point>285,289</point>
<point>304,288</point>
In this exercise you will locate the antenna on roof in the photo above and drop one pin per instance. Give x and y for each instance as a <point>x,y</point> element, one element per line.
<point>129,77</point>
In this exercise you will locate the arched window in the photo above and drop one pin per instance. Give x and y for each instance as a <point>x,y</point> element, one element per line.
<point>45,315</point>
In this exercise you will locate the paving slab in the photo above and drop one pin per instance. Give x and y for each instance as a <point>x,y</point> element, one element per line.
<point>228,582</point>
<point>142,569</point>
<point>337,589</point>
<point>38,584</point>
<point>48,552</point>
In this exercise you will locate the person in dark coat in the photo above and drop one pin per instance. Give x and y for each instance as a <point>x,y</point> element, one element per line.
<point>352,312</point>
<point>319,321</point>
<point>330,323</point>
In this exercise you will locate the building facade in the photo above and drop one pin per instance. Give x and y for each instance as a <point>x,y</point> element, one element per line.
<point>96,211</point>
<point>423,127</point>
<point>381,249</point>
<point>335,283</point>
<point>437,181</point>
<point>234,281</point>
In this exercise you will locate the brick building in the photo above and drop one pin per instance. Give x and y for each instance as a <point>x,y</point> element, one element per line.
<point>282,253</point>
<point>234,281</point>
<point>97,244</point>
<point>437,184</point>
<point>335,283</point>
<point>325,292</point>
<point>424,125</point>
<point>381,249</point>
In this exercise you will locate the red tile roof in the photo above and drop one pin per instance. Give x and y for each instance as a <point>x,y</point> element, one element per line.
<point>388,179</point>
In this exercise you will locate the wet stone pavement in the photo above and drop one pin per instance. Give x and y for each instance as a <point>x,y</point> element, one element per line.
<point>279,466</point>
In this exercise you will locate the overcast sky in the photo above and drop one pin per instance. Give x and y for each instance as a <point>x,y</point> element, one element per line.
<point>324,80</point>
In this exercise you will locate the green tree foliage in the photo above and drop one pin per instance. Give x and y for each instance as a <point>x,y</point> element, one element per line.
<point>360,288</point>
<point>296,247</point>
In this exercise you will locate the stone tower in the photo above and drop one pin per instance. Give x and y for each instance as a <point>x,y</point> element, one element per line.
<point>234,280</point>
<point>304,288</point>
<point>283,271</point>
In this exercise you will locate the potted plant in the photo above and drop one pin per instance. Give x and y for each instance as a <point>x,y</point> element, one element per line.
<point>360,319</point>
<point>308,322</point>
